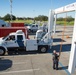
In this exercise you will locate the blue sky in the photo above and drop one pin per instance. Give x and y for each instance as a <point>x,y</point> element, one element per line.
<point>31,8</point>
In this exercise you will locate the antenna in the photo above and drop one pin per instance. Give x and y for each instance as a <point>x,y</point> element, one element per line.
<point>11,10</point>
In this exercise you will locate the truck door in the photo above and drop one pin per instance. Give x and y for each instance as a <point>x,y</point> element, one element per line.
<point>10,42</point>
<point>20,41</point>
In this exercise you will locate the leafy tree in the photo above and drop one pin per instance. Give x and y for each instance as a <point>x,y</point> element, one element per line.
<point>7,17</point>
<point>69,19</point>
<point>60,19</point>
<point>41,18</point>
<point>1,17</point>
<point>28,18</point>
<point>20,18</point>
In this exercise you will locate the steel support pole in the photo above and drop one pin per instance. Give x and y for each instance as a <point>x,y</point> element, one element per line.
<point>72,60</point>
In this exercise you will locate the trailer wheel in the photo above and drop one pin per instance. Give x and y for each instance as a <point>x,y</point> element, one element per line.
<point>43,49</point>
<point>2,51</point>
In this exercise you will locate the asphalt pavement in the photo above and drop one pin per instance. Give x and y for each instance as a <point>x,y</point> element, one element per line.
<point>34,63</point>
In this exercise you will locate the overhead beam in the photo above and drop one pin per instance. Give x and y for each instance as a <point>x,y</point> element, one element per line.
<point>67,8</point>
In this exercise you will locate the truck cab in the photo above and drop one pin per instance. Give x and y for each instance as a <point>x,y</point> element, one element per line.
<point>15,40</point>
<point>12,41</point>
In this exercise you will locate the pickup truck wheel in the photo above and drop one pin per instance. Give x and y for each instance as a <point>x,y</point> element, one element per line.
<point>2,51</point>
<point>43,49</point>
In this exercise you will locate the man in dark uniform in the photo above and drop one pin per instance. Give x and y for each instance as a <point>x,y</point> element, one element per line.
<point>55,60</point>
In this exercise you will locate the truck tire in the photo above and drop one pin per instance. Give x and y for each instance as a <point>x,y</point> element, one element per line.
<point>2,51</point>
<point>43,49</point>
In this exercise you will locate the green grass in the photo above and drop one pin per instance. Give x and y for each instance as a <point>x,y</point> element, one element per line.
<point>24,21</point>
<point>63,23</point>
<point>31,21</point>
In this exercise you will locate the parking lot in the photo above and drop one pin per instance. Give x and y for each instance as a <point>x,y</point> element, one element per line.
<point>34,63</point>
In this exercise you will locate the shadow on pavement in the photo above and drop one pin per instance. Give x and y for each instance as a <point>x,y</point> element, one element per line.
<point>63,68</point>
<point>58,31</point>
<point>5,64</point>
<point>65,48</point>
<point>66,35</point>
<point>21,52</point>
<point>58,40</point>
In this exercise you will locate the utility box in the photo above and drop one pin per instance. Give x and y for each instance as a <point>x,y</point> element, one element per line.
<point>4,31</point>
<point>17,24</point>
<point>31,45</point>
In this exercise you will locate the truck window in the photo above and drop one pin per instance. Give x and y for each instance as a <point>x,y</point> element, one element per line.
<point>19,37</point>
<point>12,38</point>
<point>36,25</point>
<point>33,25</point>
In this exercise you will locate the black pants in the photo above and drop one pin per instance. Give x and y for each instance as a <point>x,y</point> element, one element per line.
<point>55,64</point>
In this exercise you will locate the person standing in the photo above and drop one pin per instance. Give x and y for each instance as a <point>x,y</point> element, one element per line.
<point>55,60</point>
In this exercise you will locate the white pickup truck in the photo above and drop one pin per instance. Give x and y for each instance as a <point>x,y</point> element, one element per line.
<point>17,40</point>
<point>32,27</point>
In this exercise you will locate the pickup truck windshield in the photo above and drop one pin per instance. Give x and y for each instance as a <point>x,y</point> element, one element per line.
<point>12,38</point>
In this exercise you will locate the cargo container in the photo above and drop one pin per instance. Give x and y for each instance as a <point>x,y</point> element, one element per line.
<point>4,31</point>
<point>17,24</point>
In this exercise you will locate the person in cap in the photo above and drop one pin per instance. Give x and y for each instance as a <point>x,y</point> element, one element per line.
<point>55,60</point>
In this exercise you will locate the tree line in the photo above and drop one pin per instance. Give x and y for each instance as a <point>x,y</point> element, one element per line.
<point>38,18</point>
<point>68,19</point>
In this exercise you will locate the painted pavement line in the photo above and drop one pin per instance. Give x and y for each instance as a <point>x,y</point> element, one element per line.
<point>29,70</point>
<point>64,69</point>
<point>22,56</point>
<point>13,63</point>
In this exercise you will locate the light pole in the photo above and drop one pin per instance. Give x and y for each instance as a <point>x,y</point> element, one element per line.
<point>11,10</point>
<point>33,15</point>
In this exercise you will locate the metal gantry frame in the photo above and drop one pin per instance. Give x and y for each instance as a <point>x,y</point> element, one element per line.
<point>72,61</point>
<point>67,8</point>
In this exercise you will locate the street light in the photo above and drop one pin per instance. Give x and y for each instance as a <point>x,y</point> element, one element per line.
<point>34,16</point>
